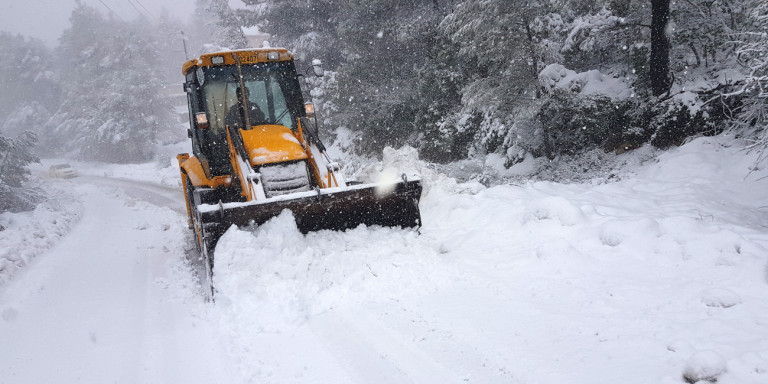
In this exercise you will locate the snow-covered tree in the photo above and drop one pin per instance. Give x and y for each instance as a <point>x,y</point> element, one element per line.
<point>15,154</point>
<point>752,53</point>
<point>307,27</point>
<point>385,43</point>
<point>597,40</point>
<point>482,71</point>
<point>375,47</point>
<point>216,24</point>
<point>460,78</point>
<point>703,27</point>
<point>31,116</point>
<point>113,107</point>
<point>28,73</point>
<point>170,40</point>
<point>498,36</point>
<point>228,32</point>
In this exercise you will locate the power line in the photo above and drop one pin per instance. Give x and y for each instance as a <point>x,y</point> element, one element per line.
<point>138,10</point>
<point>142,6</point>
<point>110,10</point>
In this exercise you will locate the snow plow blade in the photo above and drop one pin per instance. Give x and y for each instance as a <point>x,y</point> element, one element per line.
<point>333,208</point>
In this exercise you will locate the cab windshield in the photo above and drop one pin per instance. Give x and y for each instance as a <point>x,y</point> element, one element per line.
<point>273,88</point>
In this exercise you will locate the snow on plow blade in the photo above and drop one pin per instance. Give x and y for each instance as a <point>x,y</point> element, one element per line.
<point>333,208</point>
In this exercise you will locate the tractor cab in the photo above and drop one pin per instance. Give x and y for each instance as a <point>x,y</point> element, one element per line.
<point>214,103</point>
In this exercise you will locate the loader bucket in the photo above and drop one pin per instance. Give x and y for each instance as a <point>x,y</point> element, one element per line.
<point>332,208</point>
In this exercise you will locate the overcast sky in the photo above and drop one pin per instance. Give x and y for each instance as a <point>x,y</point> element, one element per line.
<point>46,19</point>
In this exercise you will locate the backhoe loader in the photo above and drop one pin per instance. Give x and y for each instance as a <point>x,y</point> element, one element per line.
<point>256,152</point>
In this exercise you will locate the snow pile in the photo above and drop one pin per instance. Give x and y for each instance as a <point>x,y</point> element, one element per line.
<point>272,280</point>
<point>289,276</point>
<point>720,297</point>
<point>553,208</point>
<point>704,366</point>
<point>590,83</point>
<point>25,235</point>
<point>646,274</point>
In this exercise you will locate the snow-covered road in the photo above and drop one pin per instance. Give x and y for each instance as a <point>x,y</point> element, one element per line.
<point>106,303</point>
<point>658,278</point>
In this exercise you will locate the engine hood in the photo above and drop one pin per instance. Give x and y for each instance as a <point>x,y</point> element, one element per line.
<point>268,144</point>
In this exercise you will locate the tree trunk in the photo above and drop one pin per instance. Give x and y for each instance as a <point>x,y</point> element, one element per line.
<point>659,63</point>
<point>533,57</point>
<point>695,53</point>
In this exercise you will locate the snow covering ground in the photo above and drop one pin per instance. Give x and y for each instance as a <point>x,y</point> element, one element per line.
<point>26,235</point>
<point>661,277</point>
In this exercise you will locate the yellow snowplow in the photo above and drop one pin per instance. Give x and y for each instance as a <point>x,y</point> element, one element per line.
<point>256,152</point>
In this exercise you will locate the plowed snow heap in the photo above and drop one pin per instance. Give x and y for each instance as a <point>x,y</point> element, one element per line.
<point>257,152</point>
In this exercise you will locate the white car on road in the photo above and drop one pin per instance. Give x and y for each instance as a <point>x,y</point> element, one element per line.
<point>64,171</point>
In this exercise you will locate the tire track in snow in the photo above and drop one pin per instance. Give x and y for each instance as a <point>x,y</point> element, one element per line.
<point>374,353</point>
<point>155,194</point>
<point>103,305</point>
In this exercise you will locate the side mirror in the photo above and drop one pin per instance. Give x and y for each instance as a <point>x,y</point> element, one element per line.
<point>317,67</point>
<point>309,109</point>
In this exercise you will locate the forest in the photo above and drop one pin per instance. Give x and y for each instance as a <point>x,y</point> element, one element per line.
<point>548,81</point>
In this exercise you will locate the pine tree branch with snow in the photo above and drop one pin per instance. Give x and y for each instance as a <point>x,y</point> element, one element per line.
<point>751,117</point>
<point>15,154</point>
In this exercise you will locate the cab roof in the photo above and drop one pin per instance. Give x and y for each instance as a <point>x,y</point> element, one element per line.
<point>247,56</point>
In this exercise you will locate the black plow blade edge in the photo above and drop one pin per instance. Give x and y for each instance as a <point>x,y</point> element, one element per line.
<point>338,210</point>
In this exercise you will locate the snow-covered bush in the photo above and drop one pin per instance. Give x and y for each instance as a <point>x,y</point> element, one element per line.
<point>25,235</point>
<point>589,83</point>
<point>672,122</point>
<point>451,138</point>
<point>574,124</point>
